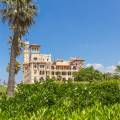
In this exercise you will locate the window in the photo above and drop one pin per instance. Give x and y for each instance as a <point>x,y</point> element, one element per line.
<point>41,66</point>
<point>41,73</point>
<point>35,66</point>
<point>47,72</point>
<point>52,67</point>
<point>35,58</point>
<point>74,67</point>
<point>57,73</point>
<point>63,73</point>
<point>69,73</point>
<point>35,71</point>
<point>35,79</point>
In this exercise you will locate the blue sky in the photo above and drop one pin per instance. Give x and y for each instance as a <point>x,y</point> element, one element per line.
<point>67,28</point>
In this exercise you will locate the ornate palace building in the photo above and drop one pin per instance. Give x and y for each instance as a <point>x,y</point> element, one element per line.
<point>39,66</point>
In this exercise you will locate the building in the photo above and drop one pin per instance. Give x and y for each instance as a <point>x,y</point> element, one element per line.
<point>37,66</point>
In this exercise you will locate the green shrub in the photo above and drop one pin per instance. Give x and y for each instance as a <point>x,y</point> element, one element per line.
<point>49,100</point>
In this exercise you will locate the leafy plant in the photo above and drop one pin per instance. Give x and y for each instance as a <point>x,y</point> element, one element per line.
<point>88,74</point>
<point>50,100</point>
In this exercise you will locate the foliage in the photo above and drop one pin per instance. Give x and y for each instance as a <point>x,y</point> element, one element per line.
<point>49,100</point>
<point>17,67</point>
<point>19,14</point>
<point>88,74</point>
<point>118,68</point>
<point>2,89</point>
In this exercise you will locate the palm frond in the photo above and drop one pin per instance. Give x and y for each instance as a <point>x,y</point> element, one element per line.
<point>19,14</point>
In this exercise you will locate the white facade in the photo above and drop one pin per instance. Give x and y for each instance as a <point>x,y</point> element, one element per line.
<point>39,66</point>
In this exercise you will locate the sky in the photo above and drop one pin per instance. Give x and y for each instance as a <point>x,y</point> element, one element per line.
<point>89,29</point>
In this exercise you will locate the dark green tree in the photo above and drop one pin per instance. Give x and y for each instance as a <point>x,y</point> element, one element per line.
<point>88,74</point>
<point>117,68</point>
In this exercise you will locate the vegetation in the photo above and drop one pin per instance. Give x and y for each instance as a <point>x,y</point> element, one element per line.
<point>93,95</point>
<point>90,74</point>
<point>49,100</point>
<point>2,89</point>
<point>118,68</point>
<point>19,14</point>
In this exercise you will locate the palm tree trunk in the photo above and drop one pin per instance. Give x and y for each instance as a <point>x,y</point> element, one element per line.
<point>11,79</point>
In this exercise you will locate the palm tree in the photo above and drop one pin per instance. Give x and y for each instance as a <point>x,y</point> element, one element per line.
<point>19,14</point>
<point>17,67</point>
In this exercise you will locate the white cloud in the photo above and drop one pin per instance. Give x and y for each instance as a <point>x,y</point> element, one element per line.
<point>111,69</point>
<point>96,66</point>
<point>100,67</point>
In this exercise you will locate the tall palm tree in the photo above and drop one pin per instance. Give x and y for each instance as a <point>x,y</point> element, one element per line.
<point>19,14</point>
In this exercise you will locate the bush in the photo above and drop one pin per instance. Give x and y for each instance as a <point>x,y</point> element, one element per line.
<point>51,100</point>
<point>88,74</point>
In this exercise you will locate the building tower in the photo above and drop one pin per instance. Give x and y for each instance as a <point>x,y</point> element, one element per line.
<point>26,52</point>
<point>34,49</point>
<point>26,64</point>
<point>34,61</point>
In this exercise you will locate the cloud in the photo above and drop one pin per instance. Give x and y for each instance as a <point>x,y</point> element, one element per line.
<point>102,68</point>
<point>111,69</point>
<point>96,66</point>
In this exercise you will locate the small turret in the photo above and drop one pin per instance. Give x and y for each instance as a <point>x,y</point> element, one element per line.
<point>34,48</point>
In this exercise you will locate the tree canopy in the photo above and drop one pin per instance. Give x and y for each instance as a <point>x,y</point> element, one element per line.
<point>88,74</point>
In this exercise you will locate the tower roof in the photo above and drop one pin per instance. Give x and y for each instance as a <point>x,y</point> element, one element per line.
<point>34,46</point>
